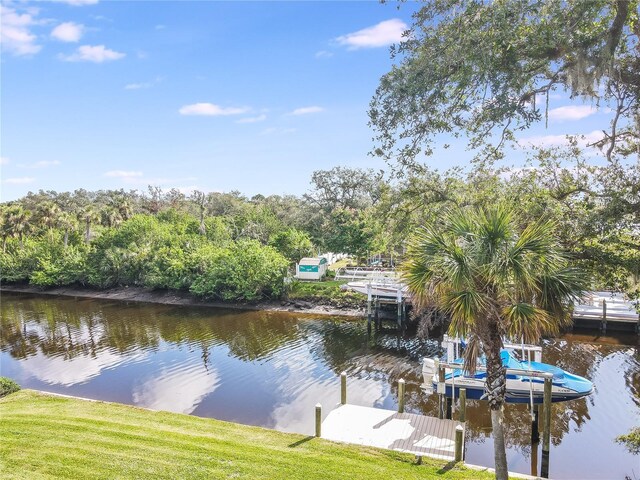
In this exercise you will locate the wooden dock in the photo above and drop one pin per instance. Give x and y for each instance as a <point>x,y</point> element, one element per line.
<point>404,432</point>
<point>607,311</point>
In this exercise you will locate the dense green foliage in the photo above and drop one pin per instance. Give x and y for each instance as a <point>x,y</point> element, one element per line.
<point>163,240</point>
<point>486,70</point>
<point>292,243</point>
<point>106,440</point>
<point>164,251</point>
<point>7,386</point>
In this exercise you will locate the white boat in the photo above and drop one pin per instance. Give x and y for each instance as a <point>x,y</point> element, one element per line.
<point>524,378</point>
<point>522,387</point>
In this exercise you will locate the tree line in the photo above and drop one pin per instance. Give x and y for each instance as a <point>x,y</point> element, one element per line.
<point>229,246</point>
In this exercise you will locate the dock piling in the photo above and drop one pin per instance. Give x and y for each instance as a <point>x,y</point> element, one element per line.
<point>463,404</point>
<point>369,313</point>
<point>318,420</point>
<point>535,425</point>
<point>401,390</point>
<point>546,434</point>
<point>399,302</point>
<point>441,392</point>
<point>343,388</point>
<point>604,316</point>
<point>459,439</point>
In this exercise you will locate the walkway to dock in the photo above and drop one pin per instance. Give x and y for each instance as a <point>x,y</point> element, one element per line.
<point>405,432</point>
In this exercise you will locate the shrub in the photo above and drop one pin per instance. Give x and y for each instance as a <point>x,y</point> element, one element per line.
<point>246,270</point>
<point>293,244</point>
<point>63,267</point>
<point>7,386</point>
<point>17,263</point>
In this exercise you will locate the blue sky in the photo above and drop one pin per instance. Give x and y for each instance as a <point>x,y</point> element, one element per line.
<point>216,96</point>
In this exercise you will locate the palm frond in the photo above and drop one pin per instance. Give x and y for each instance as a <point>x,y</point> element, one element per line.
<point>491,278</point>
<point>464,308</point>
<point>528,322</point>
<point>472,352</point>
<point>559,290</point>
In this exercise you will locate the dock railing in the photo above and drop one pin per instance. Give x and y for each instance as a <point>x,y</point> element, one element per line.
<point>365,273</point>
<point>606,307</point>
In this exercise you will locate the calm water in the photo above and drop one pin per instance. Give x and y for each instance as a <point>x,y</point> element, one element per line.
<point>270,369</point>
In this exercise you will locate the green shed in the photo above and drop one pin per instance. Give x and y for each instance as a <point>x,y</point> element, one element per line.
<point>311,268</point>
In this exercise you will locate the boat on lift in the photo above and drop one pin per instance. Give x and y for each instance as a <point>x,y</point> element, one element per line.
<point>525,382</point>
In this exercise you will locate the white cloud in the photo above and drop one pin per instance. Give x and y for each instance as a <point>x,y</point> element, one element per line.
<point>572,112</point>
<point>560,140</point>
<point>16,37</point>
<point>19,180</point>
<point>68,32</point>
<point>211,110</point>
<point>306,110</point>
<point>78,3</point>
<point>259,118</point>
<point>41,164</point>
<point>123,174</point>
<point>323,54</point>
<point>141,85</point>
<point>274,131</point>
<point>138,86</point>
<point>93,53</point>
<point>46,163</point>
<point>4,160</point>
<point>380,35</point>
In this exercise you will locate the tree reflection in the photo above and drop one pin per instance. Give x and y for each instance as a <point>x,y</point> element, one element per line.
<point>71,327</point>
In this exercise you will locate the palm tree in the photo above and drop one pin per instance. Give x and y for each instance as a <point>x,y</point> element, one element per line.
<point>493,280</point>
<point>48,214</point>
<point>5,228</point>
<point>120,202</point>
<point>200,199</point>
<point>66,222</point>
<point>88,215</point>
<point>111,217</point>
<point>18,223</point>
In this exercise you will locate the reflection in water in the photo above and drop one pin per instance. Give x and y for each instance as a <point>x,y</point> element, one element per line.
<point>179,389</point>
<point>270,369</point>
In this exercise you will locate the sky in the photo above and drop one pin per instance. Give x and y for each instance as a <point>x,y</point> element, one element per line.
<point>214,96</point>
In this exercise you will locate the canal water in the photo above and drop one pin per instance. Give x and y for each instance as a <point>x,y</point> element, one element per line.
<point>270,369</point>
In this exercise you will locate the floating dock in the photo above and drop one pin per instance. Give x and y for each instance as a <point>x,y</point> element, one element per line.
<point>404,432</point>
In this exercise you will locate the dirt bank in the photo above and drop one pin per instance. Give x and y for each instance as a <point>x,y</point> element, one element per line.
<point>171,297</point>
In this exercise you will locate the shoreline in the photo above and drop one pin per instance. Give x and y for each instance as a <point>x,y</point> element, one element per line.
<point>173,297</point>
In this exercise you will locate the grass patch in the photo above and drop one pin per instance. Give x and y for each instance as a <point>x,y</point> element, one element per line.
<point>45,436</point>
<point>328,292</point>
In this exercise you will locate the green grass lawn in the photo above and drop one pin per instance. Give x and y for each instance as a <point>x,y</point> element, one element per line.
<point>44,436</point>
